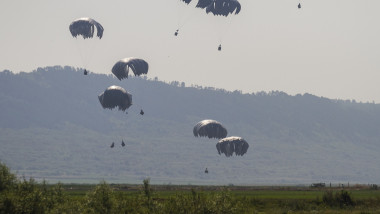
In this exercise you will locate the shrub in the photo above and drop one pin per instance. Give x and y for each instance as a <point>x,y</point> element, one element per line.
<point>340,199</point>
<point>344,199</point>
<point>328,198</point>
<point>218,203</point>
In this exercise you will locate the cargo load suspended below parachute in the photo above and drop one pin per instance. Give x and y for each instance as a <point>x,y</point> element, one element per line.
<point>138,67</point>
<point>223,7</point>
<point>233,144</point>
<point>210,129</point>
<point>115,96</point>
<point>85,27</point>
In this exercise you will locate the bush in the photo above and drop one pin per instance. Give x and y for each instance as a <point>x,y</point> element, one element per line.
<point>344,199</point>
<point>340,199</point>
<point>218,203</point>
<point>27,196</point>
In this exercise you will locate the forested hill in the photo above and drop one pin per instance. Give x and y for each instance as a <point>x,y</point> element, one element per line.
<point>52,126</point>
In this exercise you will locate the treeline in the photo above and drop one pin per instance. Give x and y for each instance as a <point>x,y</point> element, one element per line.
<point>18,196</point>
<point>51,95</point>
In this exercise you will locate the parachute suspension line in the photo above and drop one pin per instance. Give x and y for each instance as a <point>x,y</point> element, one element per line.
<point>139,108</point>
<point>188,18</point>
<point>81,53</point>
<point>186,12</point>
<point>85,48</point>
<point>89,57</point>
<point>181,25</point>
<point>136,108</point>
<point>222,26</point>
<point>182,11</point>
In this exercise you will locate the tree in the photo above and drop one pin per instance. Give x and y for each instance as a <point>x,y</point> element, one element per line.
<point>7,179</point>
<point>101,199</point>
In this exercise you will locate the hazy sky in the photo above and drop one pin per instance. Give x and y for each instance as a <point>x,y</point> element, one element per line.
<point>328,48</point>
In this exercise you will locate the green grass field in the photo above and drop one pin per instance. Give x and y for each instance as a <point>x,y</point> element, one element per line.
<point>256,192</point>
<point>250,199</point>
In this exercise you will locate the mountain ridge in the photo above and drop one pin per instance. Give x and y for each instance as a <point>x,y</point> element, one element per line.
<point>52,126</point>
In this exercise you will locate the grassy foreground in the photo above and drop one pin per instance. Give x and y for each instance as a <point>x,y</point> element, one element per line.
<point>28,196</point>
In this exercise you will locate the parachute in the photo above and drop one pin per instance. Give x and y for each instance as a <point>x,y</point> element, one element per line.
<point>201,3</point>
<point>218,7</point>
<point>210,129</point>
<point>186,1</point>
<point>115,96</point>
<point>230,145</point>
<point>138,66</point>
<point>85,27</point>
<point>223,7</point>
<point>204,3</point>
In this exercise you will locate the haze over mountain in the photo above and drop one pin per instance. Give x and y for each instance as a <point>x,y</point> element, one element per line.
<point>52,126</point>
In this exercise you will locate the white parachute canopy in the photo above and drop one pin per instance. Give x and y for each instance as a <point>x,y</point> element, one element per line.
<point>233,144</point>
<point>85,27</point>
<point>138,67</point>
<point>210,129</point>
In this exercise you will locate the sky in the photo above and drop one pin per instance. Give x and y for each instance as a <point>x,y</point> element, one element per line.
<point>326,48</point>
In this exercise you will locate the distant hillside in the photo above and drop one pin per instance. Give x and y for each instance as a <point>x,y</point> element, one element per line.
<point>52,126</point>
